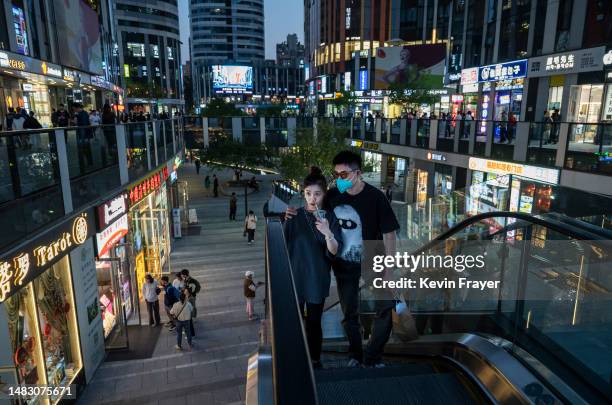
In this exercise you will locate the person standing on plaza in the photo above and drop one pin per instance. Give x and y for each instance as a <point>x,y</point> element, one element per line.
<point>250,224</point>
<point>171,296</point>
<point>150,290</point>
<point>182,314</point>
<point>233,207</point>
<point>215,185</point>
<point>313,238</point>
<point>197,165</point>
<point>250,287</point>
<point>193,286</point>
<point>364,214</point>
<point>178,281</point>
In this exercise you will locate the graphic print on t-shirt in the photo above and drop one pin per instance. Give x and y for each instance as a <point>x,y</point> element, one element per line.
<point>350,224</point>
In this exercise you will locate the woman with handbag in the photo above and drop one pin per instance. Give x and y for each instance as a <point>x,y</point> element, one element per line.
<point>150,292</point>
<point>313,238</point>
<point>181,312</point>
<point>250,224</point>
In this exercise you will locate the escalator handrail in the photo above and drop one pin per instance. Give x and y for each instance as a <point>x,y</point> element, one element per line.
<point>558,226</point>
<point>293,375</point>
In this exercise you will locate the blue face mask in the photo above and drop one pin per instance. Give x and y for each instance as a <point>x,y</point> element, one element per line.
<point>343,184</point>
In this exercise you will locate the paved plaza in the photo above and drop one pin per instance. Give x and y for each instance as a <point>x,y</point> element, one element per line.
<point>215,371</point>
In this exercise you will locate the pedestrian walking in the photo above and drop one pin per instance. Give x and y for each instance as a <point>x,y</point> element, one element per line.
<point>389,193</point>
<point>171,296</point>
<point>313,238</point>
<point>215,185</point>
<point>207,183</point>
<point>192,288</point>
<point>197,165</point>
<point>250,224</point>
<point>150,292</point>
<point>233,207</point>
<point>182,313</point>
<point>250,287</point>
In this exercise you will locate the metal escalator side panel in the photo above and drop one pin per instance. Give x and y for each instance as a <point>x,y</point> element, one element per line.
<point>292,372</point>
<point>259,384</point>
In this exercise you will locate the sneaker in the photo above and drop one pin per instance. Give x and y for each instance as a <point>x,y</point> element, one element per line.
<point>353,363</point>
<point>172,328</point>
<point>177,347</point>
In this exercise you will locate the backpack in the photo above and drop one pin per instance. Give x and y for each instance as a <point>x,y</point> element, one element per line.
<point>196,285</point>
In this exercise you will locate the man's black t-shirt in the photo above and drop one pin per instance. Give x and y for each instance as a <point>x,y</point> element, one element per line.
<point>364,216</point>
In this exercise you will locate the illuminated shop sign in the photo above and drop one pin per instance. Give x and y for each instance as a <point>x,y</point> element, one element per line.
<point>138,192</point>
<point>503,71</point>
<point>469,76</point>
<point>457,98</point>
<point>26,263</point>
<point>436,156</point>
<point>106,239</point>
<point>502,168</point>
<point>112,209</point>
<point>470,88</point>
<point>365,145</point>
<point>22,63</point>
<point>584,60</point>
<point>363,80</point>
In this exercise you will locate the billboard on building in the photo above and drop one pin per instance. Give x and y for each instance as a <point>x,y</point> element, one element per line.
<point>411,64</point>
<point>78,29</point>
<point>232,78</point>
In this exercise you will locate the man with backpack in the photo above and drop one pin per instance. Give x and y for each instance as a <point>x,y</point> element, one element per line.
<point>171,296</point>
<point>194,288</point>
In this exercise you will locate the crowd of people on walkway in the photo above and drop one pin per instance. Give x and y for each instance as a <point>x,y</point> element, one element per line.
<point>179,304</point>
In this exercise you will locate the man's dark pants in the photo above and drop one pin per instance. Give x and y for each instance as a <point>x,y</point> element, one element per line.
<point>348,292</point>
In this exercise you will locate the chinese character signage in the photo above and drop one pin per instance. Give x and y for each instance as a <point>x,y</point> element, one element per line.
<point>106,239</point>
<point>583,60</point>
<point>503,71</point>
<point>24,264</point>
<point>363,80</point>
<point>503,168</point>
<point>469,76</point>
<point>138,192</point>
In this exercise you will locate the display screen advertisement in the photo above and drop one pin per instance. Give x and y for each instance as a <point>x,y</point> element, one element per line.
<point>78,27</point>
<point>232,78</point>
<point>21,33</point>
<point>422,64</point>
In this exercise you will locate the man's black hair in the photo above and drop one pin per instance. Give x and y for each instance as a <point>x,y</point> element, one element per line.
<point>165,278</point>
<point>185,272</point>
<point>347,157</point>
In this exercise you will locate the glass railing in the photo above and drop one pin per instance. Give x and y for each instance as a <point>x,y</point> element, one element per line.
<point>423,128</point>
<point>92,162</point>
<point>541,148</point>
<point>30,192</point>
<point>504,137</point>
<point>194,132</point>
<point>589,148</point>
<point>136,149</point>
<point>446,135</point>
<point>396,128</point>
<point>370,129</point>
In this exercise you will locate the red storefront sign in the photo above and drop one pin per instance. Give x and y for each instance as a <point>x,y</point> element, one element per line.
<point>148,185</point>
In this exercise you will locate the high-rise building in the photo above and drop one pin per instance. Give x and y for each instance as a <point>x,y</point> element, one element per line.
<point>56,52</point>
<point>150,54</point>
<point>290,52</point>
<point>230,33</point>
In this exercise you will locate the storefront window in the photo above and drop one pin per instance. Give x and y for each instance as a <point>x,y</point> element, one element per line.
<point>555,95</point>
<point>372,168</point>
<point>443,180</point>
<point>25,342</point>
<point>58,324</point>
<point>585,103</point>
<point>421,191</point>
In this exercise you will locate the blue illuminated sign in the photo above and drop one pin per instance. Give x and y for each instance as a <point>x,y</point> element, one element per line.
<point>503,71</point>
<point>363,80</point>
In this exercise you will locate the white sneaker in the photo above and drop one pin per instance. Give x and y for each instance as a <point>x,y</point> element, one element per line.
<point>177,347</point>
<point>352,363</point>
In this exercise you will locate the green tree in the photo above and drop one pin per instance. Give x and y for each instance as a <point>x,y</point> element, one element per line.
<point>224,151</point>
<point>217,107</point>
<point>345,102</point>
<point>296,161</point>
<point>412,94</point>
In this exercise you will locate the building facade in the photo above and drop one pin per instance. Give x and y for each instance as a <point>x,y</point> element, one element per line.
<point>224,34</point>
<point>56,52</point>
<point>150,54</point>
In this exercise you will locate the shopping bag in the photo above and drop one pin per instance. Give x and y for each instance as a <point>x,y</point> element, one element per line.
<point>404,326</point>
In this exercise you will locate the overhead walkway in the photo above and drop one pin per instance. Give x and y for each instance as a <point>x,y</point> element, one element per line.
<point>544,337</point>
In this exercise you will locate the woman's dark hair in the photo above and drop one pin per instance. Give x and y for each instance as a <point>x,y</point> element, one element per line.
<point>182,297</point>
<point>315,177</point>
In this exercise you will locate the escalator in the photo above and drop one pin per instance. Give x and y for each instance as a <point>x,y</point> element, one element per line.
<point>545,337</point>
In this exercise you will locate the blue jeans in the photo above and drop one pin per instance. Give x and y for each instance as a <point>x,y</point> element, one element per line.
<point>180,325</point>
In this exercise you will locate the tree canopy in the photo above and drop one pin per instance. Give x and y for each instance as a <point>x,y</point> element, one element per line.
<point>412,94</point>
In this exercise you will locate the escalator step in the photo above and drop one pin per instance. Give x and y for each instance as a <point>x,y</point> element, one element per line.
<point>426,389</point>
<point>343,374</point>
